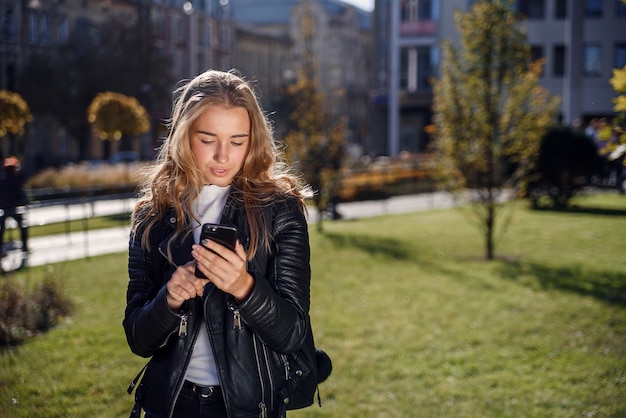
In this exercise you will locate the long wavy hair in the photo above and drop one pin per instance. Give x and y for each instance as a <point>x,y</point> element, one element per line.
<point>175,180</point>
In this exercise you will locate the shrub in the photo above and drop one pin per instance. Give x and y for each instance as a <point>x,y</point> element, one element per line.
<point>27,311</point>
<point>87,175</point>
<point>568,159</point>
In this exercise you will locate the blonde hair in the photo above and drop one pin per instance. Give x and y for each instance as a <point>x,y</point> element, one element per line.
<point>176,180</point>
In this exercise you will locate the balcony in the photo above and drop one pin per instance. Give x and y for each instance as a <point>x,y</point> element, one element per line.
<point>418,27</point>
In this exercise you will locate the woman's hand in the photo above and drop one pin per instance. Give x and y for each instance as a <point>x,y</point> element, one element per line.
<point>184,285</point>
<point>226,269</point>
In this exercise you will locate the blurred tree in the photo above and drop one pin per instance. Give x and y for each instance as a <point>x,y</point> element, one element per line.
<point>14,114</point>
<point>116,56</point>
<point>489,111</point>
<point>568,161</point>
<point>618,81</point>
<point>114,116</point>
<point>314,144</point>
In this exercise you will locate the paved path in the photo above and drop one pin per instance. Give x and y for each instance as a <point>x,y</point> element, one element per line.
<point>81,244</point>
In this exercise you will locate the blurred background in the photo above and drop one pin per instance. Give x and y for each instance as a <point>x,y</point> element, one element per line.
<point>375,62</point>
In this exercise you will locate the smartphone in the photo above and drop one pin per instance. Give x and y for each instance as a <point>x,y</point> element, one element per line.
<point>222,234</point>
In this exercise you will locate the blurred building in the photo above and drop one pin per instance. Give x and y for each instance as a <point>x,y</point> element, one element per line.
<point>341,46</point>
<point>581,41</point>
<point>190,35</point>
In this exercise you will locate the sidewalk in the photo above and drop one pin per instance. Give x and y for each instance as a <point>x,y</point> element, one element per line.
<point>82,244</point>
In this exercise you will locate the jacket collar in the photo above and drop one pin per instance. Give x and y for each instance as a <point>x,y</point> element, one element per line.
<point>181,247</point>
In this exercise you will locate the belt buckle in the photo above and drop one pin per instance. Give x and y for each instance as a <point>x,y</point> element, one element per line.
<point>199,390</point>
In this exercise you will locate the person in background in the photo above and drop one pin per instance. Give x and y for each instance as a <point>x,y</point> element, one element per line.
<point>13,201</point>
<point>215,343</point>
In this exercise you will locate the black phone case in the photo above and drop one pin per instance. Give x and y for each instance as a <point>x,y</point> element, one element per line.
<point>224,235</point>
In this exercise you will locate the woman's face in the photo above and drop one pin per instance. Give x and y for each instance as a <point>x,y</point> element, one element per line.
<point>220,139</point>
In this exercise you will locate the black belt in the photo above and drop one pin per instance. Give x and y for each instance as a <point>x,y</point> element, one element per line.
<point>204,391</point>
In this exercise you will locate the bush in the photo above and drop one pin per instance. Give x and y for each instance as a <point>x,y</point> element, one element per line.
<point>26,312</point>
<point>87,175</point>
<point>568,160</point>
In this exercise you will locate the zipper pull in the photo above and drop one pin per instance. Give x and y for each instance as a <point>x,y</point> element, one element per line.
<point>182,329</point>
<point>263,409</point>
<point>286,369</point>
<point>236,320</point>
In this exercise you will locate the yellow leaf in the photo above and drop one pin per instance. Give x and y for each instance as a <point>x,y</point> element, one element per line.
<point>620,104</point>
<point>618,81</point>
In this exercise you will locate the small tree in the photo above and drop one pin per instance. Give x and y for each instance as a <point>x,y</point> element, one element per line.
<point>113,116</point>
<point>489,111</point>
<point>315,145</point>
<point>14,114</point>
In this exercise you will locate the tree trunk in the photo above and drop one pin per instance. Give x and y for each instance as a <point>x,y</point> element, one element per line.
<point>106,148</point>
<point>320,221</point>
<point>489,225</point>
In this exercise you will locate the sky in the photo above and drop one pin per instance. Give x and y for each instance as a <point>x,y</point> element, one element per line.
<point>363,4</point>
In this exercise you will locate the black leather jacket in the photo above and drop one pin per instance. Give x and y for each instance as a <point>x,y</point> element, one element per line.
<point>274,318</point>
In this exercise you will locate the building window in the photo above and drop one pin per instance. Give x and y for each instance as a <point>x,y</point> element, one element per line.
<point>62,31</point>
<point>32,28</point>
<point>178,29</point>
<point>620,55</point>
<point>533,9</point>
<point>558,64</point>
<point>592,61</point>
<point>414,10</point>
<point>560,9</point>
<point>417,67</point>
<point>593,8</point>
<point>44,30</point>
<point>158,23</point>
<point>9,26</point>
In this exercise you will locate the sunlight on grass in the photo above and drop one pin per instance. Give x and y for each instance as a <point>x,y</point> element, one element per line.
<point>416,322</point>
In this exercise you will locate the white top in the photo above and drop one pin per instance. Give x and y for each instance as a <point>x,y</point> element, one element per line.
<point>208,208</point>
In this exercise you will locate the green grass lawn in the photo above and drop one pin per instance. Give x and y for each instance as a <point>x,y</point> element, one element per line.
<point>77,225</point>
<point>417,323</point>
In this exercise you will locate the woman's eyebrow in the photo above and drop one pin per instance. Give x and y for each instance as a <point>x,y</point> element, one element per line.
<point>242,135</point>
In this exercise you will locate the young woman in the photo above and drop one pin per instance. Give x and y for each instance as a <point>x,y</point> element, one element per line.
<point>215,342</point>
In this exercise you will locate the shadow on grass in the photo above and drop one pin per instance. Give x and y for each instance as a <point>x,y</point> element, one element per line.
<point>585,210</point>
<point>608,286</point>
<point>392,248</point>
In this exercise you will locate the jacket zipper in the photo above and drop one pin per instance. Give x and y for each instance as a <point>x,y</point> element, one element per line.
<point>182,327</point>
<point>269,374</point>
<point>266,363</point>
<point>183,332</point>
<point>262,405</point>
<point>286,365</point>
<point>237,326</point>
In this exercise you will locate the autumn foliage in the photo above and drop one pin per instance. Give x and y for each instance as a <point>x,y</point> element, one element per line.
<point>14,113</point>
<point>112,115</point>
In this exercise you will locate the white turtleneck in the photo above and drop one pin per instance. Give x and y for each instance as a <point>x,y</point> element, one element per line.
<point>208,208</point>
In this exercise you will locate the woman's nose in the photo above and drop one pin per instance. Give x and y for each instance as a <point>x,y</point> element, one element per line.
<point>221,154</point>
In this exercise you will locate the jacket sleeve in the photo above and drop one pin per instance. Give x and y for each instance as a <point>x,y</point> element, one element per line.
<point>277,309</point>
<point>148,319</point>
